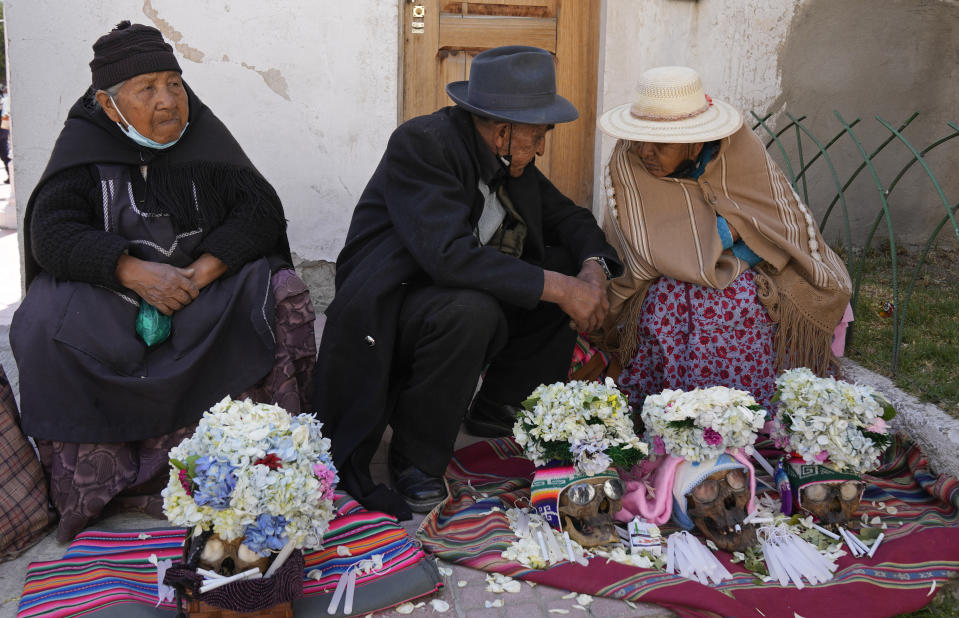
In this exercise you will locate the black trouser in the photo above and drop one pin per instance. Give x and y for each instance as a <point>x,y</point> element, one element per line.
<point>445,338</point>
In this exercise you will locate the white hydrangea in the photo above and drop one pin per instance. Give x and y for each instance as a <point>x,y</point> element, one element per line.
<point>823,420</point>
<point>240,433</point>
<point>701,424</point>
<point>590,417</point>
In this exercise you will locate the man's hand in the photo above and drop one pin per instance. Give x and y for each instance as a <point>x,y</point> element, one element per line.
<point>166,287</point>
<point>582,298</point>
<point>592,272</point>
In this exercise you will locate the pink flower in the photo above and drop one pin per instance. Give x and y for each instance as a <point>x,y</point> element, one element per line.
<point>822,456</point>
<point>712,437</point>
<point>327,480</point>
<point>659,447</point>
<point>879,426</point>
<point>185,481</point>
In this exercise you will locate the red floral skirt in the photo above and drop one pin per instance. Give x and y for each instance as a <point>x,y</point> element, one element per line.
<point>691,336</point>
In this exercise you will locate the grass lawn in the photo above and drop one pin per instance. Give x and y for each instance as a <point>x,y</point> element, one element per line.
<point>929,357</point>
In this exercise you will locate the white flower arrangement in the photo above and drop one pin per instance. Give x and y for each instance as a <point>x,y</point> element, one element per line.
<point>253,471</point>
<point>701,424</point>
<point>831,422</point>
<point>588,424</point>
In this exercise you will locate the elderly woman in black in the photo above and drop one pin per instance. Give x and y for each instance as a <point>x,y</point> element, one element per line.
<point>148,211</point>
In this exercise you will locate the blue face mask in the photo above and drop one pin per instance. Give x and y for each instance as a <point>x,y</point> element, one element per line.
<point>141,139</point>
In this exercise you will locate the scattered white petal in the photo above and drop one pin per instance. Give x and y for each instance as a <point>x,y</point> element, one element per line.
<point>865,519</point>
<point>892,510</point>
<point>558,611</point>
<point>584,599</point>
<point>932,588</point>
<point>531,584</point>
<point>405,608</point>
<point>580,607</point>
<point>875,521</point>
<point>144,535</point>
<point>462,583</point>
<point>884,526</point>
<point>569,596</point>
<point>343,550</point>
<point>757,609</point>
<point>795,615</point>
<point>630,603</point>
<point>711,545</point>
<point>513,586</point>
<point>445,571</point>
<point>316,574</point>
<point>420,604</point>
<point>882,505</point>
<point>440,605</point>
<point>496,603</point>
<point>153,559</point>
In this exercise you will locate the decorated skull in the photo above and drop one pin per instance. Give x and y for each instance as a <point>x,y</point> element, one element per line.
<point>717,507</point>
<point>831,496</point>
<point>587,507</point>
<point>581,505</point>
<point>832,503</point>
<point>229,557</point>
<point>714,497</point>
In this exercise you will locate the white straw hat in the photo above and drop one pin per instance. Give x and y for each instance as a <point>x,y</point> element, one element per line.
<point>671,107</point>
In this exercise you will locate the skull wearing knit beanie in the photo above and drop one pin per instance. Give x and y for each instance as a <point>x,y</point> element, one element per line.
<point>130,50</point>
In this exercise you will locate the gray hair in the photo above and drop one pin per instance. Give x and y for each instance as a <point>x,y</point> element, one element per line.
<point>112,91</point>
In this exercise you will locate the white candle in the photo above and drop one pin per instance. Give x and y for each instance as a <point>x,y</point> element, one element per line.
<point>569,547</point>
<point>831,535</point>
<point>542,546</point>
<point>875,544</point>
<point>210,574</point>
<point>248,574</point>
<point>280,558</point>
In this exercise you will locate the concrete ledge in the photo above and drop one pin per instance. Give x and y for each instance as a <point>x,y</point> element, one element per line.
<point>936,432</point>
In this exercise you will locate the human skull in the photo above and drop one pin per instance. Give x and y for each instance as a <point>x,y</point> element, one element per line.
<point>717,507</point>
<point>229,557</point>
<point>833,503</point>
<point>586,509</point>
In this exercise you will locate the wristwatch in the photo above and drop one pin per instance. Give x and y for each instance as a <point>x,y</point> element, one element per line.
<point>602,264</point>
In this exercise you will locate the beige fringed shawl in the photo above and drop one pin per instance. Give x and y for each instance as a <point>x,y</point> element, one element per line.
<point>667,226</point>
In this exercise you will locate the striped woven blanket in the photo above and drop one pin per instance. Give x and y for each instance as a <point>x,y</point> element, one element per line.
<point>107,569</point>
<point>921,545</point>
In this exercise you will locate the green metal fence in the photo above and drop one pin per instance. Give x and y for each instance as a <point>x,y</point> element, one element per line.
<point>806,159</point>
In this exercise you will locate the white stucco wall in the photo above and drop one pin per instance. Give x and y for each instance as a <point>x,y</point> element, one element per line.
<point>309,92</point>
<point>734,45</point>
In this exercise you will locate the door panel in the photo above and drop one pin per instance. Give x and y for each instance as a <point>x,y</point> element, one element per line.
<point>441,37</point>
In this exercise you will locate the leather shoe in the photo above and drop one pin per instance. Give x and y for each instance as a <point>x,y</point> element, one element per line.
<point>487,419</point>
<point>420,490</point>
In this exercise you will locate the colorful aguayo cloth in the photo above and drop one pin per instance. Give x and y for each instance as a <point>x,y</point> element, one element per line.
<point>923,550</point>
<point>103,570</point>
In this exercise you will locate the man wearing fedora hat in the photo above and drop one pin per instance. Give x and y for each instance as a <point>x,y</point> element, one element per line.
<point>460,256</point>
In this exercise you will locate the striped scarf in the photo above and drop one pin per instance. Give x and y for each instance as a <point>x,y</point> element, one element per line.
<point>667,226</point>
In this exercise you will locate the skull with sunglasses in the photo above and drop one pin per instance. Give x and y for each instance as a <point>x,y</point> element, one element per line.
<point>832,497</point>
<point>713,496</point>
<point>584,505</point>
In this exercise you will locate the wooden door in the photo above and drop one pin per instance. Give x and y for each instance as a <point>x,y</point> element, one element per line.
<point>441,37</point>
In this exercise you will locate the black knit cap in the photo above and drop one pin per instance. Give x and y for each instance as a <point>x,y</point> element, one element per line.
<point>130,50</point>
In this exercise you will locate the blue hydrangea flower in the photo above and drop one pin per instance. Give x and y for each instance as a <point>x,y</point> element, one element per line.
<point>267,534</point>
<point>215,481</point>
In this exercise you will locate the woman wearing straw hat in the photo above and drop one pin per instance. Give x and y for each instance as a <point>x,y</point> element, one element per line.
<point>728,279</point>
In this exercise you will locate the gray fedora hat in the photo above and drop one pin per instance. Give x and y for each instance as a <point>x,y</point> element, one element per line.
<point>514,83</point>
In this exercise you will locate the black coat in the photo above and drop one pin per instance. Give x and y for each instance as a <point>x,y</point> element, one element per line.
<point>414,222</point>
